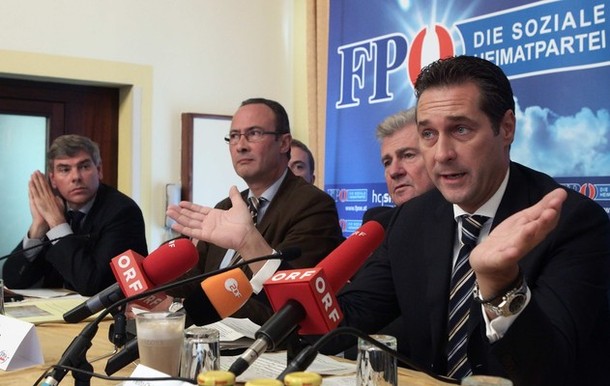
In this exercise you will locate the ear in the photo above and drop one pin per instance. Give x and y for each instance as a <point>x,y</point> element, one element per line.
<point>100,171</point>
<point>51,178</point>
<point>507,127</point>
<point>285,141</point>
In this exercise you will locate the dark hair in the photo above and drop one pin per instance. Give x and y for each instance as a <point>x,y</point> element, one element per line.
<point>496,91</point>
<point>302,146</point>
<point>71,144</point>
<point>282,125</point>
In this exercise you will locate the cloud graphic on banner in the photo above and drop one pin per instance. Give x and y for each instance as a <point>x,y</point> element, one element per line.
<point>563,146</point>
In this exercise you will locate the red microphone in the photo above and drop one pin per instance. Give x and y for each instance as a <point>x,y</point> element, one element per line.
<point>136,274</point>
<point>305,297</point>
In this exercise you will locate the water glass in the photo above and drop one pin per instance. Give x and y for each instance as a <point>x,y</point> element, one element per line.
<point>376,367</point>
<point>200,352</point>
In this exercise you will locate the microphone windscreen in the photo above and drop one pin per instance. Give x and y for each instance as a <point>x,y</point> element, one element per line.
<point>343,262</point>
<point>170,261</point>
<point>227,291</point>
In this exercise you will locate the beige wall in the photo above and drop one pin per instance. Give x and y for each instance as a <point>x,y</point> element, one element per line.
<point>169,57</point>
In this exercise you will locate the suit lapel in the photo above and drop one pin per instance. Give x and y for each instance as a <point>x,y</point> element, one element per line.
<point>438,271</point>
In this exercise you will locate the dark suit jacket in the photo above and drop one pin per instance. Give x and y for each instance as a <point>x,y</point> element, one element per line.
<point>115,224</point>
<point>562,334</point>
<point>381,214</point>
<point>300,215</point>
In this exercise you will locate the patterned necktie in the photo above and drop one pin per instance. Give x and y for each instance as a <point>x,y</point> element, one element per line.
<point>254,205</point>
<point>460,297</point>
<point>75,217</point>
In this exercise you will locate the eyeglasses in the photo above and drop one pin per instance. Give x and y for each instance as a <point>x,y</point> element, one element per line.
<point>252,135</point>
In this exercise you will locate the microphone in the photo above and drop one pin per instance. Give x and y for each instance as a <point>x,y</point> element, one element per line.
<point>135,275</point>
<point>222,296</point>
<point>47,242</point>
<point>293,292</point>
<point>76,351</point>
<point>308,354</point>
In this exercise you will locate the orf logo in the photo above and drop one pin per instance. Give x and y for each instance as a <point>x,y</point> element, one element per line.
<point>428,45</point>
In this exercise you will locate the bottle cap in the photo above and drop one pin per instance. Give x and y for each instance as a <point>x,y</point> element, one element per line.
<point>215,378</point>
<point>302,378</point>
<point>264,382</point>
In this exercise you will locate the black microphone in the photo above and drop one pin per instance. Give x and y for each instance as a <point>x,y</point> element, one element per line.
<point>302,361</point>
<point>77,350</point>
<point>128,354</point>
<point>47,242</point>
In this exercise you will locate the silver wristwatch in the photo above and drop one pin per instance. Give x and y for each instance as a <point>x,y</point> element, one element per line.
<point>511,303</point>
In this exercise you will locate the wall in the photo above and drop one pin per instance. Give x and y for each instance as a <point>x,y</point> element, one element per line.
<point>169,57</point>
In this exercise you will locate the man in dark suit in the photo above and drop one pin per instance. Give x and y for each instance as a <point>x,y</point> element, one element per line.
<point>291,213</point>
<point>108,221</point>
<point>539,314</point>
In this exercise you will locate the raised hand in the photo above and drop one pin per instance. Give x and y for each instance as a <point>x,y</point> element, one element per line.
<point>225,228</point>
<point>495,259</point>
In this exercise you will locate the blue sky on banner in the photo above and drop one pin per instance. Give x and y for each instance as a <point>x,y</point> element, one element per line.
<point>556,54</point>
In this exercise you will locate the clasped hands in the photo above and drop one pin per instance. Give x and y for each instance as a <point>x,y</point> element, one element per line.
<point>46,208</point>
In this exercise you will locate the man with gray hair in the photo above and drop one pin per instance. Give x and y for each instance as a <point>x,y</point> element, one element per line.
<point>71,200</point>
<point>405,172</point>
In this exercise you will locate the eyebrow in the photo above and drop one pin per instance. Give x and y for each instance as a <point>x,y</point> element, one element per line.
<point>248,128</point>
<point>451,118</point>
<point>63,164</point>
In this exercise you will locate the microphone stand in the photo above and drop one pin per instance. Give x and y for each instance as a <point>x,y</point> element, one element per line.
<point>75,354</point>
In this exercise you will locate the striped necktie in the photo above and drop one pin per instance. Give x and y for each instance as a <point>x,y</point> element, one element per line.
<point>254,205</point>
<point>460,297</point>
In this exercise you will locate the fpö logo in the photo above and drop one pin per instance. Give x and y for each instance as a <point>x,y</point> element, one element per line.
<point>598,192</point>
<point>349,195</point>
<point>349,226</point>
<point>374,60</point>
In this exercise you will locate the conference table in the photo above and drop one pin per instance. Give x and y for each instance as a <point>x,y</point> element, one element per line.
<point>55,337</point>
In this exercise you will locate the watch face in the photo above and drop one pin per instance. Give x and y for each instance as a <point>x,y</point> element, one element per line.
<point>516,303</point>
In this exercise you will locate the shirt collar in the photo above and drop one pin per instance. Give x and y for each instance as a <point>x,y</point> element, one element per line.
<point>87,207</point>
<point>272,190</point>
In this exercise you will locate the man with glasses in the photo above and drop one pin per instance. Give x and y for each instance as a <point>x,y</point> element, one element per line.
<point>290,213</point>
